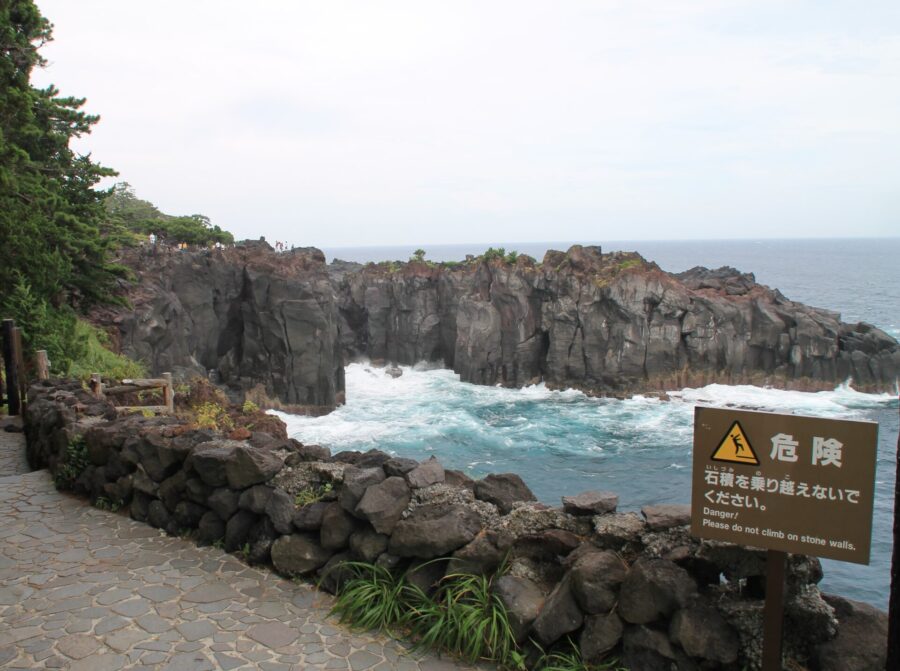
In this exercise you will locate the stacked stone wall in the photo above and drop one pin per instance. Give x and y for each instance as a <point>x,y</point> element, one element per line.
<point>635,586</point>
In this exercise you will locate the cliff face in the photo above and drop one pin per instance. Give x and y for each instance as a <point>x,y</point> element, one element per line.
<point>261,324</point>
<point>278,327</point>
<point>605,323</point>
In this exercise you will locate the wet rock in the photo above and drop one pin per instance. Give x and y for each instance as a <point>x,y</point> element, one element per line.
<point>522,599</point>
<point>383,504</point>
<point>591,503</point>
<point>503,490</point>
<point>596,578</point>
<point>432,530</point>
<point>297,555</point>
<point>666,516</point>
<point>653,589</point>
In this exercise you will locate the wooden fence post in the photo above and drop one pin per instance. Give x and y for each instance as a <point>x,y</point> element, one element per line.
<point>12,373</point>
<point>42,364</point>
<point>169,394</point>
<point>20,366</point>
<point>96,385</point>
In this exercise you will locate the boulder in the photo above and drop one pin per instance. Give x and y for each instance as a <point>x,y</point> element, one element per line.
<point>188,514</point>
<point>647,649</point>
<point>482,555</point>
<point>616,530</point>
<point>861,641</point>
<point>427,473</point>
<point>143,484</point>
<point>224,502</point>
<point>297,555</point>
<point>280,510</point>
<point>601,633</point>
<point>368,544</point>
<point>459,479</point>
<point>211,528</point>
<point>356,482</point>
<point>665,516</point>
<point>503,490</point>
<point>559,616</point>
<point>426,575</point>
<point>309,517</point>
<point>301,453</point>
<point>383,504</point>
<point>172,489</point>
<point>260,539</point>
<point>334,574</point>
<point>434,530</point>
<point>522,599</point>
<point>160,456</point>
<point>197,491</point>
<point>399,466</point>
<point>591,503</point>
<point>158,516</point>
<point>250,466</point>
<point>237,529</point>
<point>654,589</point>
<point>209,461</point>
<point>596,578</point>
<point>703,633</point>
<point>255,499</point>
<point>337,526</point>
<point>372,459</point>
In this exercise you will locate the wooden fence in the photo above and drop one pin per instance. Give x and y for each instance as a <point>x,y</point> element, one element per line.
<point>12,393</point>
<point>100,390</point>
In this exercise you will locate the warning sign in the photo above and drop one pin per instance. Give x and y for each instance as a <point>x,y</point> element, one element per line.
<point>784,482</point>
<point>735,447</point>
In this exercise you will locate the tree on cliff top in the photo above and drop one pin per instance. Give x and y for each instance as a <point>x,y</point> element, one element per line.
<point>136,218</point>
<point>50,212</point>
<point>51,215</point>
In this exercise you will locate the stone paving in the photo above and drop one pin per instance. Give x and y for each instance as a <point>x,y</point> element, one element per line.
<point>86,589</point>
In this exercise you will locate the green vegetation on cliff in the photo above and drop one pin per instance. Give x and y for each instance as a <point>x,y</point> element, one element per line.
<point>58,230</point>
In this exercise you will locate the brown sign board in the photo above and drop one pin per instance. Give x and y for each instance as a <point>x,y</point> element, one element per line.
<point>784,482</point>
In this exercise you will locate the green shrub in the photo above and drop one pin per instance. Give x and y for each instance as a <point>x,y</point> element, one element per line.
<point>74,462</point>
<point>213,416</point>
<point>97,358</point>
<point>249,407</point>
<point>312,494</point>
<point>567,657</point>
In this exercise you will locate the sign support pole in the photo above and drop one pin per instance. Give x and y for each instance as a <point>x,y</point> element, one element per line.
<point>893,650</point>
<point>773,615</point>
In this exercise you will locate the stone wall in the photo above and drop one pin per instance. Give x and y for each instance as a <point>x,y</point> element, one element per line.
<point>637,586</point>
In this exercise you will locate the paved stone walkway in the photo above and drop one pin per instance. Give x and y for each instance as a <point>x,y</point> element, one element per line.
<point>86,589</point>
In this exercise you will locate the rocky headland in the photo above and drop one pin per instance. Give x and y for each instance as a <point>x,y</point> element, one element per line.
<point>280,326</point>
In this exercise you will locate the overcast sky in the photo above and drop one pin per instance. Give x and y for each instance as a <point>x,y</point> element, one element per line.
<point>372,123</point>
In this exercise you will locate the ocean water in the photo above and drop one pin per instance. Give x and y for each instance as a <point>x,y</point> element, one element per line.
<point>562,442</point>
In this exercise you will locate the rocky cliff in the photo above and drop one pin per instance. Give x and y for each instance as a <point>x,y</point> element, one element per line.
<point>603,323</point>
<point>262,324</point>
<point>280,326</point>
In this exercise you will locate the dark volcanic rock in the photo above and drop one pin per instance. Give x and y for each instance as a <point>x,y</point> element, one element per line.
<point>237,529</point>
<point>263,321</point>
<point>434,530</point>
<point>427,473</point>
<point>337,526</point>
<point>255,499</point>
<point>591,503</point>
<point>368,544</point>
<point>503,490</point>
<point>596,578</point>
<point>296,555</point>
<point>280,509</point>
<point>861,642</point>
<point>250,466</point>
<point>654,588</point>
<point>523,601</point>
<point>601,634</point>
<point>666,516</point>
<point>703,632</point>
<point>383,503</point>
<point>309,517</point>
<point>560,615</point>
<point>224,502</point>
<point>356,481</point>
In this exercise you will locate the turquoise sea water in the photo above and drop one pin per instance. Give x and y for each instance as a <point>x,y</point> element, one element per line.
<point>563,442</point>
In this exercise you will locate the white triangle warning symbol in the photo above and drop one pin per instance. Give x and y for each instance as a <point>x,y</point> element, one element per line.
<point>735,447</point>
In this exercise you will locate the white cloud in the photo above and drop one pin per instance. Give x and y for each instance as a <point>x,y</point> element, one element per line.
<point>425,122</point>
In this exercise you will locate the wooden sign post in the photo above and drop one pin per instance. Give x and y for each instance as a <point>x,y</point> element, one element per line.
<point>785,483</point>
